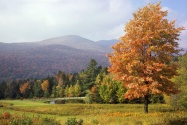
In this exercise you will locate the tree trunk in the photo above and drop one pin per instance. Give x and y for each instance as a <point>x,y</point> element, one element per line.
<point>146,101</point>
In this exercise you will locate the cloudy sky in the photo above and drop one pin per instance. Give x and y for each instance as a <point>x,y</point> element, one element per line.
<point>35,20</point>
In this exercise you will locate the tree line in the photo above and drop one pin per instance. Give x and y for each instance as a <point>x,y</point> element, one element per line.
<point>94,82</point>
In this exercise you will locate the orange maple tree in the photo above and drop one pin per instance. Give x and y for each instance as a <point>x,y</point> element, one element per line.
<point>24,88</point>
<point>142,57</point>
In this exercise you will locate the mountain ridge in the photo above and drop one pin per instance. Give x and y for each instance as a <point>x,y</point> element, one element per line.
<point>46,57</point>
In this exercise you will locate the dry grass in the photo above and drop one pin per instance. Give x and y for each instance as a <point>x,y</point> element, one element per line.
<point>102,114</point>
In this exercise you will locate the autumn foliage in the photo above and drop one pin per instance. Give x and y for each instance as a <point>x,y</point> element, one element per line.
<point>142,57</point>
<point>24,88</point>
<point>45,85</point>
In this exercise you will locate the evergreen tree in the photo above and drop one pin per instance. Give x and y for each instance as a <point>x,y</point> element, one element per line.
<point>2,89</point>
<point>77,89</point>
<point>90,75</point>
<point>37,89</point>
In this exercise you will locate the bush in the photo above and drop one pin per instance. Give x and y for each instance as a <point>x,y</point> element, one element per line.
<point>47,101</point>
<point>49,121</point>
<point>89,99</point>
<point>6,115</point>
<point>69,101</point>
<point>73,121</point>
<point>75,101</point>
<point>60,101</point>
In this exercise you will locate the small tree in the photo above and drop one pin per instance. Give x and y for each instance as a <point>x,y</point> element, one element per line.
<point>71,91</point>
<point>120,92</point>
<point>45,87</point>
<point>37,88</point>
<point>107,90</point>
<point>24,89</point>
<point>77,89</point>
<point>141,59</point>
<point>66,91</point>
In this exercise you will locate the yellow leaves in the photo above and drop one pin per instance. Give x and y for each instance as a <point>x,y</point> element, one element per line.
<point>45,85</point>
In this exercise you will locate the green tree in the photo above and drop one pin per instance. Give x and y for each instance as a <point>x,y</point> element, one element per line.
<point>12,89</point>
<point>91,74</point>
<point>37,89</point>
<point>2,90</point>
<point>108,90</point>
<point>54,92</point>
<point>66,91</point>
<point>180,100</point>
<point>120,91</point>
<point>141,59</point>
<point>71,91</point>
<point>95,89</point>
<point>77,89</point>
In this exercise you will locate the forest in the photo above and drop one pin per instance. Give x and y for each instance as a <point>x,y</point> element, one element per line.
<point>95,83</point>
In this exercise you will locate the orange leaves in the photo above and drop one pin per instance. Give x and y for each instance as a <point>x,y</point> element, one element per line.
<point>23,88</point>
<point>93,89</point>
<point>142,57</point>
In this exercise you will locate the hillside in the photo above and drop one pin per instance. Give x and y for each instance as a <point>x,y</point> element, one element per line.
<point>76,42</point>
<point>107,43</point>
<point>43,58</point>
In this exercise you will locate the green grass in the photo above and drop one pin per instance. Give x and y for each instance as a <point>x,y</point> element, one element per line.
<point>25,102</point>
<point>94,114</point>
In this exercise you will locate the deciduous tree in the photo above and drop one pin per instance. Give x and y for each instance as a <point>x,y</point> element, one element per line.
<point>45,87</point>
<point>24,88</point>
<point>108,89</point>
<point>141,58</point>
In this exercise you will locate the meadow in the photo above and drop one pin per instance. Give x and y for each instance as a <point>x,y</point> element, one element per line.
<point>93,114</point>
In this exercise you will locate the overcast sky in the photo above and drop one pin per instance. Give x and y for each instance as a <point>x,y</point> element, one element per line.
<point>35,20</point>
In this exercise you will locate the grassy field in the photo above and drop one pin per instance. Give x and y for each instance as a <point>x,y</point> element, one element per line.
<point>97,114</point>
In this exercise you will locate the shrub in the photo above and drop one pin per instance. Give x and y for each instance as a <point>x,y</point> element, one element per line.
<point>49,121</point>
<point>6,115</point>
<point>60,101</point>
<point>75,101</point>
<point>73,121</point>
<point>89,99</point>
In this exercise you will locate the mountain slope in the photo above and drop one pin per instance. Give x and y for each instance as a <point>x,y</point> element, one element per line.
<point>40,59</point>
<point>107,43</point>
<point>75,42</point>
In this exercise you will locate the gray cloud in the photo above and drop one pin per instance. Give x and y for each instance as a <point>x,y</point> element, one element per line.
<point>26,20</point>
<point>34,20</point>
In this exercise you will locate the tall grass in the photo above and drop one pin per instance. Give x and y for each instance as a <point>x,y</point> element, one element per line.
<point>103,114</point>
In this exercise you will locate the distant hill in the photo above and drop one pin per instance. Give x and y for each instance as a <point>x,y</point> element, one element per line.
<point>107,43</point>
<point>76,42</point>
<point>39,59</point>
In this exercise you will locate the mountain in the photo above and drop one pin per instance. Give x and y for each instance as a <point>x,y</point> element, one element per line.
<point>107,43</point>
<point>75,42</point>
<point>39,59</point>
